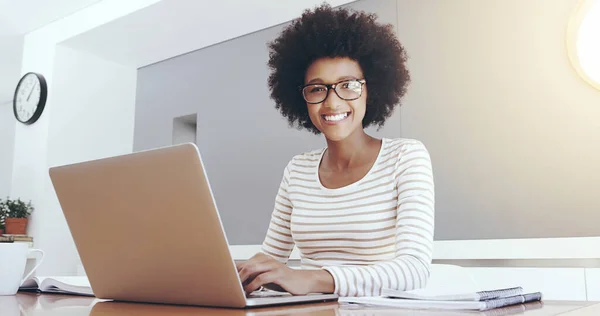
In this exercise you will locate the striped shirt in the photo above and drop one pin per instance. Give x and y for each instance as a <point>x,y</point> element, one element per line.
<point>372,234</point>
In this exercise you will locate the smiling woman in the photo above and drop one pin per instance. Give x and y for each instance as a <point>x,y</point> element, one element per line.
<point>583,42</point>
<point>361,210</point>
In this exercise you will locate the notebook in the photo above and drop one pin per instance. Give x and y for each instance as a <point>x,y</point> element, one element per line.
<point>478,301</point>
<point>357,310</point>
<point>77,285</point>
<point>475,296</point>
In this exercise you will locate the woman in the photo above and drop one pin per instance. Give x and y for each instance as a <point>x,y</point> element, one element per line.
<point>361,210</point>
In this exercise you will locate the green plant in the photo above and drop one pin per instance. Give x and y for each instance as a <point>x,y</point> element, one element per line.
<point>17,208</point>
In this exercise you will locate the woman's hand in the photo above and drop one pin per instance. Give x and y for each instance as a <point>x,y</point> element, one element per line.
<point>264,270</point>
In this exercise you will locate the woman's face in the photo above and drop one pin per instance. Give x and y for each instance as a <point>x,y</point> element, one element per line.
<point>334,116</point>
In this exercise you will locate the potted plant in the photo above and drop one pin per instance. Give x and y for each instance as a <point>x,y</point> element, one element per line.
<point>17,216</point>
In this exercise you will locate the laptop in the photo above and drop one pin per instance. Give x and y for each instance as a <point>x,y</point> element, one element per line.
<point>112,308</point>
<point>147,229</point>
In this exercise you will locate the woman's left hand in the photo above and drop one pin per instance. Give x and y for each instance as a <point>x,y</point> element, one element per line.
<point>264,270</point>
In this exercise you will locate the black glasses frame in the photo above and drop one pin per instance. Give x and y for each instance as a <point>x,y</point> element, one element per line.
<point>333,87</point>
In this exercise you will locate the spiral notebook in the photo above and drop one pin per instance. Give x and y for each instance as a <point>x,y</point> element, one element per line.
<point>476,296</point>
<point>479,301</point>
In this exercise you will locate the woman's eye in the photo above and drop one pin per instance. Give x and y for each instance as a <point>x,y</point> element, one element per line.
<point>350,85</point>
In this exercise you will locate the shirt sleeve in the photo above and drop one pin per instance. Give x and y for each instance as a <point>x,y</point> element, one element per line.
<point>278,242</point>
<point>410,268</point>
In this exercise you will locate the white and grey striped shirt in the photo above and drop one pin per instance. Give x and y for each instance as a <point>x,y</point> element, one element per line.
<point>372,234</point>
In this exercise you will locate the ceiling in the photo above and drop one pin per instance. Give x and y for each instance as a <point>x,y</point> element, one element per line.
<point>170,28</point>
<point>23,16</point>
<point>18,17</point>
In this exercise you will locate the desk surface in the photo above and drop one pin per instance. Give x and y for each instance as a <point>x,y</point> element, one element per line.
<point>31,304</point>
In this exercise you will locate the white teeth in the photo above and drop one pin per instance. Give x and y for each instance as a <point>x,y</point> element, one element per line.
<point>336,117</point>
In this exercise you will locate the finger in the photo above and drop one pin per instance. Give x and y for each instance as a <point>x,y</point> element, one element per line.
<point>260,258</point>
<point>260,280</point>
<point>251,271</point>
<point>250,274</point>
<point>259,261</point>
<point>274,287</point>
<point>257,258</point>
<point>239,265</point>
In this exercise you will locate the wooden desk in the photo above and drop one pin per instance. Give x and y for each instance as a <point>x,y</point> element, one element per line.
<point>31,304</point>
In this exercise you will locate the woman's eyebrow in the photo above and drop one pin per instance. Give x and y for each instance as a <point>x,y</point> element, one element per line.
<point>319,80</point>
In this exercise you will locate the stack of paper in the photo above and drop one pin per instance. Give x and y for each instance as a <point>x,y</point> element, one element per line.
<point>483,300</point>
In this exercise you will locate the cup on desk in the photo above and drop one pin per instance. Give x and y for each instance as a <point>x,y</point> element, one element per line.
<point>13,260</point>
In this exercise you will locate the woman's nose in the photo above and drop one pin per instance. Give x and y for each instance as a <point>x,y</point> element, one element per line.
<point>332,100</point>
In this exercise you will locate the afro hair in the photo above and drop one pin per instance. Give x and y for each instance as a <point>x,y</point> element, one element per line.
<point>337,32</point>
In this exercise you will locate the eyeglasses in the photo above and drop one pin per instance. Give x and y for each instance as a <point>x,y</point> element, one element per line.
<point>347,90</point>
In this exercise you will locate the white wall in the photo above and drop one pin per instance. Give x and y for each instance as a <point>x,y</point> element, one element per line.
<point>7,142</point>
<point>173,28</point>
<point>93,110</point>
<point>59,135</point>
<point>12,49</point>
<point>514,133</point>
<point>93,120</point>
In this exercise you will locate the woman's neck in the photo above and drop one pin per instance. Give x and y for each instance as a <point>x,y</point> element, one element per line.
<point>349,152</point>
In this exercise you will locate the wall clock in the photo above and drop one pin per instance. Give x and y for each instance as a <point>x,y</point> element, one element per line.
<point>30,98</point>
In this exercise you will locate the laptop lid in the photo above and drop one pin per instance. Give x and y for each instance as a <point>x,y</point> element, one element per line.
<point>147,228</point>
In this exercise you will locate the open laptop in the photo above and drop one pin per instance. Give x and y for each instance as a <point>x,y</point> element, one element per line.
<point>147,229</point>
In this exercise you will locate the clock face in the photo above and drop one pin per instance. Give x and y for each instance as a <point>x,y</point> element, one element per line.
<point>30,98</point>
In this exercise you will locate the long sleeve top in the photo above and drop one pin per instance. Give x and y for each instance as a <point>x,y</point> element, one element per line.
<point>372,234</point>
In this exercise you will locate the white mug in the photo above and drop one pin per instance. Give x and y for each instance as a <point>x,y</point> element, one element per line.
<point>13,260</point>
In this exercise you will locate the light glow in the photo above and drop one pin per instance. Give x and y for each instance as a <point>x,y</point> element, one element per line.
<point>584,41</point>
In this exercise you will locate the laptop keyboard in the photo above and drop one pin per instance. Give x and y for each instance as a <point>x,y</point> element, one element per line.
<point>267,293</point>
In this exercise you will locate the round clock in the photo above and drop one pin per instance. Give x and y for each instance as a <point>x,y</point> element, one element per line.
<point>30,98</point>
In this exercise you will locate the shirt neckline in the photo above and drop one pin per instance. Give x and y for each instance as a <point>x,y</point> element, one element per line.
<point>355,183</point>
